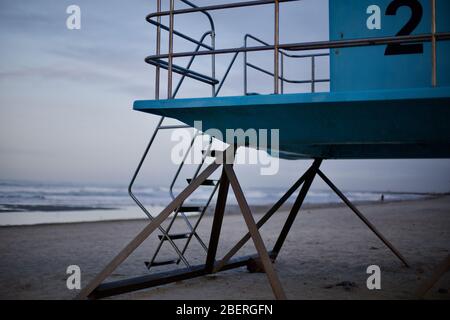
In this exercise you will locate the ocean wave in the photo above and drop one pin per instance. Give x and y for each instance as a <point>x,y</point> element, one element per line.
<point>117,196</point>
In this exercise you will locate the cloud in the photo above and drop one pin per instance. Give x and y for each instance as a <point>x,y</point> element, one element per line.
<point>69,93</point>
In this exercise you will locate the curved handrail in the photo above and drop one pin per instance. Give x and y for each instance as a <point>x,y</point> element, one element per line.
<point>196,135</point>
<point>316,45</point>
<point>136,200</point>
<point>194,8</point>
<point>283,79</point>
<point>182,35</point>
<point>130,186</point>
<point>216,7</point>
<point>233,60</point>
<point>144,156</point>
<point>177,173</point>
<point>190,62</point>
<point>211,21</point>
<point>282,50</point>
<point>213,40</point>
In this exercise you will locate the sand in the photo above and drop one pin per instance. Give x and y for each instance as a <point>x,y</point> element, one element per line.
<point>326,246</point>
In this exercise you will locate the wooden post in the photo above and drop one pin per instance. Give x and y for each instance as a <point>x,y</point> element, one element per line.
<point>152,226</point>
<point>256,236</point>
<point>217,223</point>
<point>363,218</point>
<point>441,269</point>
<point>296,207</point>
<point>262,221</point>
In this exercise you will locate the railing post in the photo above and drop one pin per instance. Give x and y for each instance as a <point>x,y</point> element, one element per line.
<point>158,50</point>
<point>433,44</point>
<point>245,66</point>
<point>170,57</point>
<point>313,74</point>
<point>282,73</point>
<point>276,47</point>
<point>213,61</point>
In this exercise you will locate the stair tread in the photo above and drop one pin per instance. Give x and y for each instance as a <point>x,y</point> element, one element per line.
<point>183,71</point>
<point>175,236</point>
<point>207,182</point>
<point>193,208</point>
<point>160,263</point>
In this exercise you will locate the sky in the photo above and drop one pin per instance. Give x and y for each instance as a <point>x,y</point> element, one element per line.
<point>66,95</point>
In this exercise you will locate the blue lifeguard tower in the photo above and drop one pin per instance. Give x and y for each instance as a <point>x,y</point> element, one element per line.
<point>389,97</point>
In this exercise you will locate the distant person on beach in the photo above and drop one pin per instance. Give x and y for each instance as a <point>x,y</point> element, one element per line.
<point>382,197</point>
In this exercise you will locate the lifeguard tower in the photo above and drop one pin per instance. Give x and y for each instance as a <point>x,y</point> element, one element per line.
<point>389,97</point>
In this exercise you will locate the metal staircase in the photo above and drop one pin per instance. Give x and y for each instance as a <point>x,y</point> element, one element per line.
<point>166,236</point>
<point>181,212</point>
<point>265,257</point>
<point>216,85</point>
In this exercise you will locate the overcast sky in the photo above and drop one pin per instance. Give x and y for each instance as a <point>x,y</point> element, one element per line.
<point>66,95</point>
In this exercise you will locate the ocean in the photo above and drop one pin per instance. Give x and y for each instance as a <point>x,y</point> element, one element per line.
<point>31,202</point>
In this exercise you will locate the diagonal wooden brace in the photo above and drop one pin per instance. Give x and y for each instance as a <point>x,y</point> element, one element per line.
<point>263,220</point>
<point>363,218</point>
<point>255,235</point>
<point>311,174</point>
<point>145,233</point>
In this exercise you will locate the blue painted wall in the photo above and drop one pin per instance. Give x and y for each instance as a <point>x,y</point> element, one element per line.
<point>368,68</point>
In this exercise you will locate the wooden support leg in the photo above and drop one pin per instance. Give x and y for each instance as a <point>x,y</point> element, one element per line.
<point>253,229</point>
<point>262,221</point>
<point>362,217</point>
<point>296,207</point>
<point>217,222</point>
<point>442,268</point>
<point>152,226</point>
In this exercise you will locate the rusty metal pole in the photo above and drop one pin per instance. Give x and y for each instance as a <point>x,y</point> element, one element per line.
<point>170,57</point>
<point>282,73</point>
<point>276,47</point>
<point>313,74</point>
<point>433,44</point>
<point>158,51</point>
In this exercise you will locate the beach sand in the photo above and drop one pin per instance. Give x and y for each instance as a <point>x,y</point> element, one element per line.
<point>326,246</point>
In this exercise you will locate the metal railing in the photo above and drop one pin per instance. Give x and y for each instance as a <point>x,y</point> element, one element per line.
<point>280,53</point>
<point>157,59</point>
<point>185,72</point>
<point>281,77</point>
<point>432,37</point>
<point>169,64</point>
